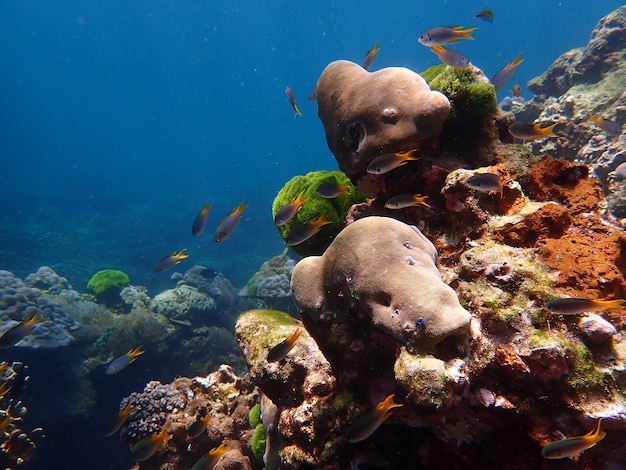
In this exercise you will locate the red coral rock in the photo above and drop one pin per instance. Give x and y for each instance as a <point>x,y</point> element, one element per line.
<point>551,221</point>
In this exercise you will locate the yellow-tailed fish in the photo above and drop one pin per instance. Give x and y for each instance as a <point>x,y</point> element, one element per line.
<point>118,420</point>
<point>198,426</point>
<point>208,460</point>
<point>370,56</point>
<point>364,427</point>
<point>278,352</point>
<point>573,305</point>
<point>406,200</point>
<point>119,363</point>
<point>226,226</point>
<point>302,233</point>
<point>292,101</point>
<point>442,35</point>
<point>573,446</point>
<point>516,90</point>
<point>523,131</point>
<point>389,161</point>
<point>289,210</point>
<point>609,127</point>
<point>4,389</point>
<point>485,15</point>
<point>170,261</point>
<point>450,57</point>
<point>148,446</point>
<point>485,182</point>
<point>504,75</point>
<point>332,190</point>
<point>20,331</point>
<point>200,221</point>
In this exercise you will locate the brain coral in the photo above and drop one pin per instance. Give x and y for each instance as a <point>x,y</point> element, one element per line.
<point>367,114</point>
<point>383,273</point>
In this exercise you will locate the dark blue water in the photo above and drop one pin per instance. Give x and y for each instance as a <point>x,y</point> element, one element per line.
<point>118,119</point>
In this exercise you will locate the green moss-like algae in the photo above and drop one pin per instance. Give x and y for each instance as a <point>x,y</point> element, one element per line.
<point>254,417</point>
<point>265,326</point>
<point>335,209</point>
<point>107,279</point>
<point>258,442</point>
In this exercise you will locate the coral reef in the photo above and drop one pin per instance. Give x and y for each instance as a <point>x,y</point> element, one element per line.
<point>107,284</point>
<point>18,301</point>
<point>335,210</point>
<point>367,114</point>
<point>16,445</point>
<point>222,395</point>
<point>272,283</point>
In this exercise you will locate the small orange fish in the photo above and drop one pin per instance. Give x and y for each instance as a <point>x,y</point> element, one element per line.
<point>208,460</point>
<point>402,201</point>
<point>370,56</point>
<point>302,233</point>
<point>610,128</point>
<point>278,352</point>
<point>332,190</point>
<point>390,161</point>
<point>226,226</point>
<point>199,426</point>
<point>504,75</point>
<point>118,420</point>
<point>170,261</point>
<point>14,335</point>
<point>442,35</point>
<point>148,446</point>
<point>289,210</point>
<point>292,101</point>
<point>573,305</point>
<point>573,446</point>
<point>364,427</point>
<point>523,131</point>
<point>450,57</point>
<point>119,363</point>
<point>201,219</point>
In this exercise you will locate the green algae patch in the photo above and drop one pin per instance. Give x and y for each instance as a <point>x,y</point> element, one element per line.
<point>263,329</point>
<point>254,417</point>
<point>335,210</point>
<point>258,442</point>
<point>107,284</point>
<point>423,378</point>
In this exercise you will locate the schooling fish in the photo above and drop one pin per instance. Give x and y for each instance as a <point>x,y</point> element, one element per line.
<point>572,305</point>
<point>198,426</point>
<point>148,446</point>
<point>485,15</point>
<point>20,331</point>
<point>610,128</point>
<point>442,35</point>
<point>289,210</point>
<point>485,182</point>
<point>118,420</point>
<point>332,190</point>
<point>278,352</point>
<point>226,226</point>
<point>200,222</point>
<point>364,427</point>
<point>573,446</point>
<point>119,363</point>
<point>504,75</point>
<point>450,57</point>
<point>292,101</point>
<point>523,131</point>
<point>208,460</point>
<point>406,200</point>
<point>302,233</point>
<point>170,261</point>
<point>370,56</point>
<point>389,161</point>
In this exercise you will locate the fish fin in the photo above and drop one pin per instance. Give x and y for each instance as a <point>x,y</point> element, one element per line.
<point>545,131</point>
<point>466,33</point>
<point>240,208</point>
<point>517,61</point>
<point>618,303</point>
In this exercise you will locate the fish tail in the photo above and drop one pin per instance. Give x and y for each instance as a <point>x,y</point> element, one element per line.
<point>298,200</point>
<point>467,33</point>
<point>181,254</point>
<point>240,208</point>
<point>321,220</point>
<point>517,61</point>
<point>35,319</point>
<point>618,303</point>
<point>546,131</point>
